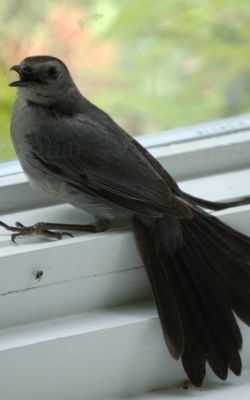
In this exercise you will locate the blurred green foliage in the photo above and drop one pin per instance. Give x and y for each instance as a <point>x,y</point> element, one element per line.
<point>172,62</point>
<point>190,60</point>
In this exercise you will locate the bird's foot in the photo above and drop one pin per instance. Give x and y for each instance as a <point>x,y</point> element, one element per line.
<point>39,228</point>
<point>53,230</point>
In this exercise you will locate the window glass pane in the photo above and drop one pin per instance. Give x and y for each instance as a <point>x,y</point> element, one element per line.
<point>152,65</point>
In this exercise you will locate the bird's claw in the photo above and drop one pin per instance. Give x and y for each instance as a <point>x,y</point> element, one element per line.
<point>33,230</point>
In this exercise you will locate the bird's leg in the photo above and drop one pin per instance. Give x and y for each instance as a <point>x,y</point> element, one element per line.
<point>54,230</point>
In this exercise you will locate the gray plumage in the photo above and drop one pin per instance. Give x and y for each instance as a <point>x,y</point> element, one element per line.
<point>198,267</point>
<point>54,123</point>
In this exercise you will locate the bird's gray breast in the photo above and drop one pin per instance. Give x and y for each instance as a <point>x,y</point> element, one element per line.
<point>26,121</point>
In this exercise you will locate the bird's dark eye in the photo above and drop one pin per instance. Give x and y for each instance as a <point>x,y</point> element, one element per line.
<point>26,69</point>
<point>52,72</point>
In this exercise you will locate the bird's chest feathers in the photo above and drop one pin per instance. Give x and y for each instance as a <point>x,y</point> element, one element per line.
<point>26,125</point>
<point>26,120</point>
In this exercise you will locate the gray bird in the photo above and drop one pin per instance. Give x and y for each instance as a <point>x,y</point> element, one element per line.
<point>198,267</point>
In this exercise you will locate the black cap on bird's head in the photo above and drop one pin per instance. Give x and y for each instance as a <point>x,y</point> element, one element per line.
<point>43,79</point>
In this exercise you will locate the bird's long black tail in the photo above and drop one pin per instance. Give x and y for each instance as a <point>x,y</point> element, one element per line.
<point>199,270</point>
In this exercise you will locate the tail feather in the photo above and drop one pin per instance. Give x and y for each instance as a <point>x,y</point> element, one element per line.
<point>203,266</point>
<point>194,352</point>
<point>163,294</point>
<point>230,238</point>
<point>228,264</point>
<point>216,315</point>
<point>194,358</point>
<point>197,342</point>
<point>234,360</point>
<point>208,289</point>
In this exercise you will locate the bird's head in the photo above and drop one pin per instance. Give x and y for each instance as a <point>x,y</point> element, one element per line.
<point>42,79</point>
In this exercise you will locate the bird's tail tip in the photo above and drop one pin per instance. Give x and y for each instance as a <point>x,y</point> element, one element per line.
<point>200,277</point>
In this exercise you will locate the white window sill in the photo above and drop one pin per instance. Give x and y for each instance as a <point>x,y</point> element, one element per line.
<point>234,388</point>
<point>88,326</point>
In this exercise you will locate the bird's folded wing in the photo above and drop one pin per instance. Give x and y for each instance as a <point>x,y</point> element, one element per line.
<point>104,161</point>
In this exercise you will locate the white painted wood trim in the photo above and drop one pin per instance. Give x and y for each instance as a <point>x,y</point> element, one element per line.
<point>235,388</point>
<point>114,354</point>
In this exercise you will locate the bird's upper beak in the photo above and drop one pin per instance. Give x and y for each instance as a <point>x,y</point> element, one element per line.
<point>17,68</point>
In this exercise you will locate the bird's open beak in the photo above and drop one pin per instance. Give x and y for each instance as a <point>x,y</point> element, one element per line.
<point>27,76</point>
<point>22,81</point>
<point>18,69</point>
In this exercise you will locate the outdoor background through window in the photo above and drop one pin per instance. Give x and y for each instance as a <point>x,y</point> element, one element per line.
<point>152,65</point>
